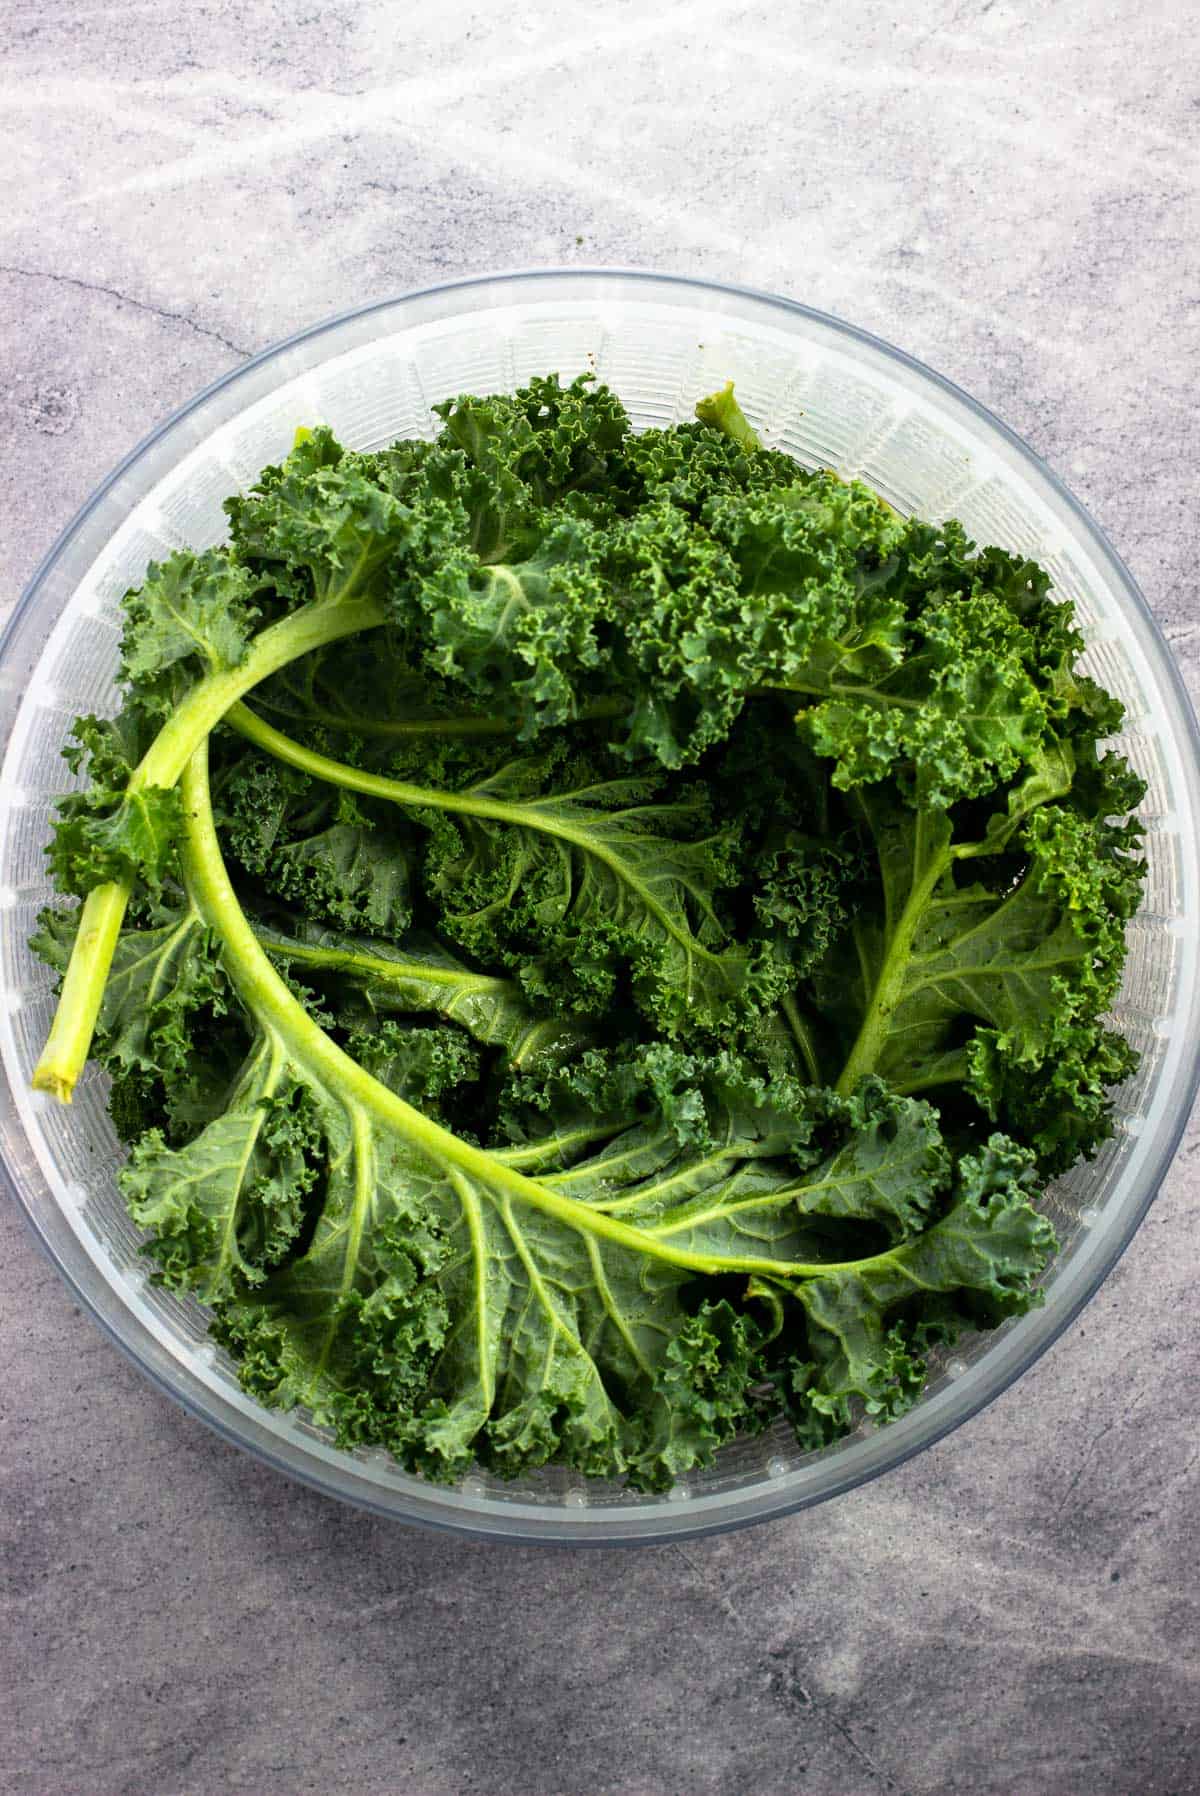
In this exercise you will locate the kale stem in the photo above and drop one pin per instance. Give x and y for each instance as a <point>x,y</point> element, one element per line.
<point>264,735</point>
<point>69,1041</point>
<point>803,1035</point>
<point>70,1038</point>
<point>208,701</point>
<point>395,728</point>
<point>392,970</point>
<point>889,983</point>
<point>450,724</point>
<point>722,412</point>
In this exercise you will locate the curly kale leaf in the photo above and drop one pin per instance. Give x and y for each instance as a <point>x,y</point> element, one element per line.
<point>718,569</point>
<point>229,1203</point>
<point>973,686</point>
<point>524,634</point>
<point>425,1067</point>
<point>544,447</point>
<point>367,978</point>
<point>576,888</point>
<point>506,1336</point>
<point>689,464</point>
<point>366,689</point>
<point>318,849</point>
<point>323,526</point>
<point>111,830</point>
<point>192,615</point>
<point>583,886</point>
<point>316,529</point>
<point>870,1326</point>
<point>998,987</point>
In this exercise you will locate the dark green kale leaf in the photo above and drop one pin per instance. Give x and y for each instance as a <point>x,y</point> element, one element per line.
<point>524,634</point>
<point>870,1326</point>
<point>324,527</point>
<point>582,884</point>
<point>543,447</point>
<point>192,615</point>
<point>999,987</point>
<point>227,1205</point>
<point>111,830</point>
<point>367,978</point>
<point>318,849</point>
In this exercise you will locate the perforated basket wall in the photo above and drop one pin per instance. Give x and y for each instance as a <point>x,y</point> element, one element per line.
<point>828,397</point>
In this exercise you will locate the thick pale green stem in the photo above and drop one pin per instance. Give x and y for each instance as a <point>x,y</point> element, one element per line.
<point>722,411</point>
<point>207,702</point>
<point>70,1039</point>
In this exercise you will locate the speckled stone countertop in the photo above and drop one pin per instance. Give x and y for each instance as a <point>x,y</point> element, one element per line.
<point>1009,192</point>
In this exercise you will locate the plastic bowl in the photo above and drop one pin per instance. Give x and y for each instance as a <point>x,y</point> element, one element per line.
<point>826,394</point>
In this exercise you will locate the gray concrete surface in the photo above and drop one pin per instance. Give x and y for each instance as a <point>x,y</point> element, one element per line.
<point>1008,191</point>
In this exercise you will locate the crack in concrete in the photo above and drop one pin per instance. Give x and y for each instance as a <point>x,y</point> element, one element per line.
<point>1085,1460</point>
<point>785,1684</point>
<point>140,305</point>
<point>1087,1456</point>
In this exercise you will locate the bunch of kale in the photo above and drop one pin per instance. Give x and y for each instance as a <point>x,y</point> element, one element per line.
<point>598,939</point>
